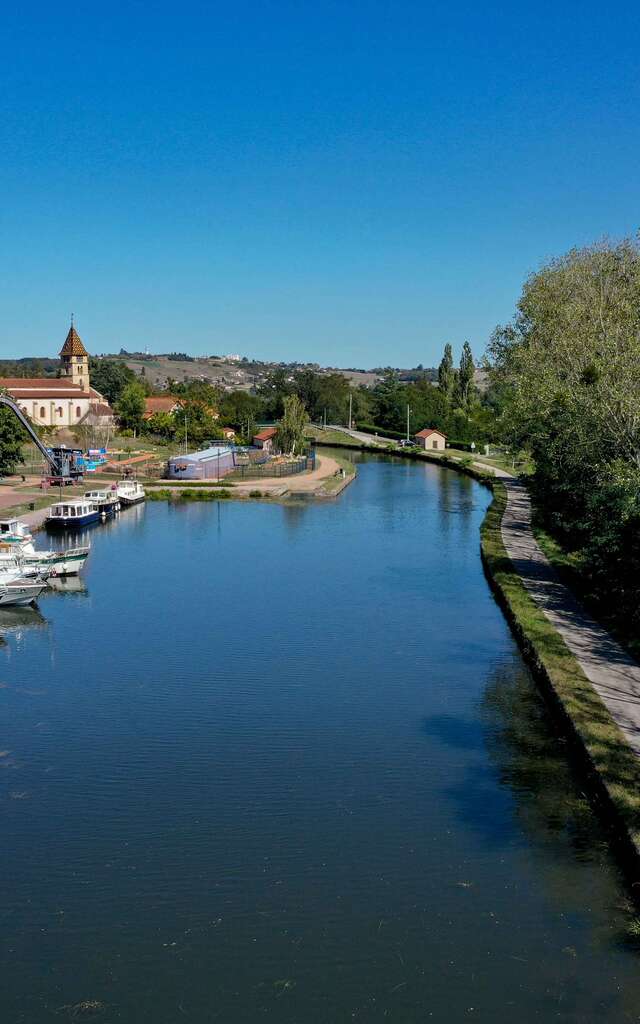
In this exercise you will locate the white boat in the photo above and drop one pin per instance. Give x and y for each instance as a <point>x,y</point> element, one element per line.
<point>72,514</point>
<point>130,492</point>
<point>16,542</point>
<point>21,591</point>
<point>106,502</point>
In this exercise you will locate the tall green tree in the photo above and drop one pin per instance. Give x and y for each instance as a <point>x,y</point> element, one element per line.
<point>130,406</point>
<point>193,419</point>
<point>465,387</point>
<point>110,377</point>
<point>290,437</point>
<point>446,373</point>
<point>12,439</point>
<point>566,371</point>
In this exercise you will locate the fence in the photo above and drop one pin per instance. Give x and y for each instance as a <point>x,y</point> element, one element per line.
<point>257,471</point>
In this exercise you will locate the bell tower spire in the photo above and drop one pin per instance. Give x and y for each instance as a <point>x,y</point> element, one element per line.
<point>75,359</point>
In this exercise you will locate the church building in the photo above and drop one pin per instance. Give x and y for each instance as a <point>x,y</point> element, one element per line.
<point>64,401</point>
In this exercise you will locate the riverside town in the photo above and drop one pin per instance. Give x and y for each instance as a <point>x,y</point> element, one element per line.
<point>320,516</point>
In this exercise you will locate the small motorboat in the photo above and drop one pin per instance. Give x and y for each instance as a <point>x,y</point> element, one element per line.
<point>72,514</point>
<point>106,502</point>
<point>16,542</point>
<point>130,492</point>
<point>21,590</point>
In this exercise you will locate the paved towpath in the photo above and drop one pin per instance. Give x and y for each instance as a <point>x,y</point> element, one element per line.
<point>613,673</point>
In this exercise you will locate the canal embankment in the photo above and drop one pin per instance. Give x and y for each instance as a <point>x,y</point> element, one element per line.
<point>590,681</point>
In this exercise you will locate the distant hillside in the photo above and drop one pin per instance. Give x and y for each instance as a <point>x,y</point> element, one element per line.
<point>30,366</point>
<point>242,374</point>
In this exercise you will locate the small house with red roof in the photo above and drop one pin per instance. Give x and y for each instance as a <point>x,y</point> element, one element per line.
<point>265,439</point>
<point>431,440</point>
<point>159,403</point>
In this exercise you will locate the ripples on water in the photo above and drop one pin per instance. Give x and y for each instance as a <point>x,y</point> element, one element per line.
<point>285,762</point>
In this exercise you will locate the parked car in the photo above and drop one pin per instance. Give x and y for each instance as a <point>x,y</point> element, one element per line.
<point>406,444</point>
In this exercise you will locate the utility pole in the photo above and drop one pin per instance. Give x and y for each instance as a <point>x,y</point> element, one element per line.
<point>408,411</point>
<point>324,417</point>
<point>350,407</point>
<point>186,447</point>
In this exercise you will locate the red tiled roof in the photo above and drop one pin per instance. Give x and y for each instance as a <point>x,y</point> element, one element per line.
<point>53,394</point>
<point>266,434</point>
<point>426,433</point>
<point>73,344</point>
<point>158,403</point>
<point>39,383</point>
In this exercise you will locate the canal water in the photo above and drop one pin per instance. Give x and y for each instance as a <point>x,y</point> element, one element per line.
<point>286,763</point>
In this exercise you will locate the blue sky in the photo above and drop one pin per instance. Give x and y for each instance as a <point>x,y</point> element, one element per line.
<point>353,183</point>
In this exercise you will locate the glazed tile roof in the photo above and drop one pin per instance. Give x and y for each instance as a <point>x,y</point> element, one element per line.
<point>73,345</point>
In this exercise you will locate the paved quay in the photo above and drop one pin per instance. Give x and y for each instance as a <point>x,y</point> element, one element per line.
<point>613,673</point>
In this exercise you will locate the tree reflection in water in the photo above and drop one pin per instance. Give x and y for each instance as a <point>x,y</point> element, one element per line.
<point>535,762</point>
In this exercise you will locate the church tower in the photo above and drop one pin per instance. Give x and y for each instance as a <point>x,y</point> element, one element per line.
<point>75,360</point>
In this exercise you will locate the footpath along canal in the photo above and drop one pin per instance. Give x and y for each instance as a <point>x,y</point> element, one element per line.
<point>286,762</point>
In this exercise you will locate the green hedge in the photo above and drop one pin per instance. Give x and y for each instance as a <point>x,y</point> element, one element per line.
<point>369,428</point>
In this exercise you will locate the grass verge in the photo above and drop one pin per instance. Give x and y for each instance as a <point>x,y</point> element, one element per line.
<point>613,769</point>
<point>334,484</point>
<point>331,437</point>
<point>173,494</point>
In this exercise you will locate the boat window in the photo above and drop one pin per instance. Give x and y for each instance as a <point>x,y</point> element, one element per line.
<point>72,511</point>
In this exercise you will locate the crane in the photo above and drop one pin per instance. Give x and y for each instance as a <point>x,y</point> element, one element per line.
<point>62,462</point>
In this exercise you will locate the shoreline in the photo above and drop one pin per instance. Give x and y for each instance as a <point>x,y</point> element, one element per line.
<point>588,714</point>
<point>585,677</point>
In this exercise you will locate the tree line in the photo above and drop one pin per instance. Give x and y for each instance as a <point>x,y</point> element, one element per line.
<point>566,381</point>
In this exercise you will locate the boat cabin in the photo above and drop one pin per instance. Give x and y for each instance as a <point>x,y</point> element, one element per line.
<point>72,509</point>
<point>13,531</point>
<point>100,497</point>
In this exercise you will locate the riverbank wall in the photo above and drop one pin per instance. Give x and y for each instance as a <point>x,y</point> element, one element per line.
<point>610,766</point>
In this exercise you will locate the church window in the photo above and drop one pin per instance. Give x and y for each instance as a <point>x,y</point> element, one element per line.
<point>59,410</point>
<point>42,412</point>
<point>78,410</point>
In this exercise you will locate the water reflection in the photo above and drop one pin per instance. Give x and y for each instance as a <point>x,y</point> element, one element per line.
<point>74,585</point>
<point>17,621</point>
<point>14,620</point>
<point>543,786</point>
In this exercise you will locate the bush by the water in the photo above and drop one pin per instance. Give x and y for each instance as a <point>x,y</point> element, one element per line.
<point>195,494</point>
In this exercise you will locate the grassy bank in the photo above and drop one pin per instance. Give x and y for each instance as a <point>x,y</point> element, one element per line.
<point>333,484</point>
<point>189,494</point>
<point>330,437</point>
<point>613,769</point>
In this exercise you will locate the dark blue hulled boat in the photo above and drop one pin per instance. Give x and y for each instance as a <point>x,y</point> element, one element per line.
<point>72,514</point>
<point>106,502</point>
